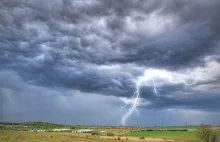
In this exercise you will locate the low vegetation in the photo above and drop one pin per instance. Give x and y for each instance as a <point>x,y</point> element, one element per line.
<point>110,134</point>
<point>141,137</point>
<point>30,132</point>
<point>95,133</point>
<point>24,136</point>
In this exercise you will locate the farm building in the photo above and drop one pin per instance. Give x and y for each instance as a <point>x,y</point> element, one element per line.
<point>83,131</point>
<point>59,130</point>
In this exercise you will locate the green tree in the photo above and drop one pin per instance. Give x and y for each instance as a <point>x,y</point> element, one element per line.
<point>205,133</point>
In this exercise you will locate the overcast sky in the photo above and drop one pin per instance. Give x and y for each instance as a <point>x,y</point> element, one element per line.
<point>78,61</point>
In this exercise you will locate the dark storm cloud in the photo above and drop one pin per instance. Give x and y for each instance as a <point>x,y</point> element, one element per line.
<point>201,101</point>
<point>103,46</point>
<point>24,102</point>
<point>190,35</point>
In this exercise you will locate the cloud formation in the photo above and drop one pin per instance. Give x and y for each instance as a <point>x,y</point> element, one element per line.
<point>102,47</point>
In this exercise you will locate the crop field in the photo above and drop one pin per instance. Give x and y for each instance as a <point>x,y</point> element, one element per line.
<point>177,127</point>
<point>176,135</point>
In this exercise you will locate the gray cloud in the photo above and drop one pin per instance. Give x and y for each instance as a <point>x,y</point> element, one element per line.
<point>24,102</point>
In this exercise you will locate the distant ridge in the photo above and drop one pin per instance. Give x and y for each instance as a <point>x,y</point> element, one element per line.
<point>10,123</point>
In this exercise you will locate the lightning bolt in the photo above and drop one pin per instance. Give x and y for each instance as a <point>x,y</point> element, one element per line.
<point>150,76</point>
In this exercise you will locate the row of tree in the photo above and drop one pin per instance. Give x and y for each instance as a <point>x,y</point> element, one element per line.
<point>43,125</point>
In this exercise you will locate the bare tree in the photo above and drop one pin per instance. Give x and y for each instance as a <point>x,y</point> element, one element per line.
<point>204,132</point>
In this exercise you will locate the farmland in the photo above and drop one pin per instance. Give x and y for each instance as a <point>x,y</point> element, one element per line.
<point>33,132</point>
<point>176,135</point>
<point>25,136</point>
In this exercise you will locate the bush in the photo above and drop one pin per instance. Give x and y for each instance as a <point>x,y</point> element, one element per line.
<point>141,137</point>
<point>110,134</point>
<point>3,128</point>
<point>94,133</point>
<point>7,138</point>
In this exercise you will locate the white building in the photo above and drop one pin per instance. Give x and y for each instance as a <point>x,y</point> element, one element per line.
<point>83,131</point>
<point>58,130</point>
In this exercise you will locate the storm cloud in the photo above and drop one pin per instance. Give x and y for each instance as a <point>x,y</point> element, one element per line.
<point>97,49</point>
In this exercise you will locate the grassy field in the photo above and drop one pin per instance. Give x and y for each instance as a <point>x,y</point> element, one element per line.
<point>176,127</point>
<point>178,135</point>
<point>24,136</point>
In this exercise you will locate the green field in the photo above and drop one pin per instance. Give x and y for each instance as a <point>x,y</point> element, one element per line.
<point>178,135</point>
<point>176,127</point>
